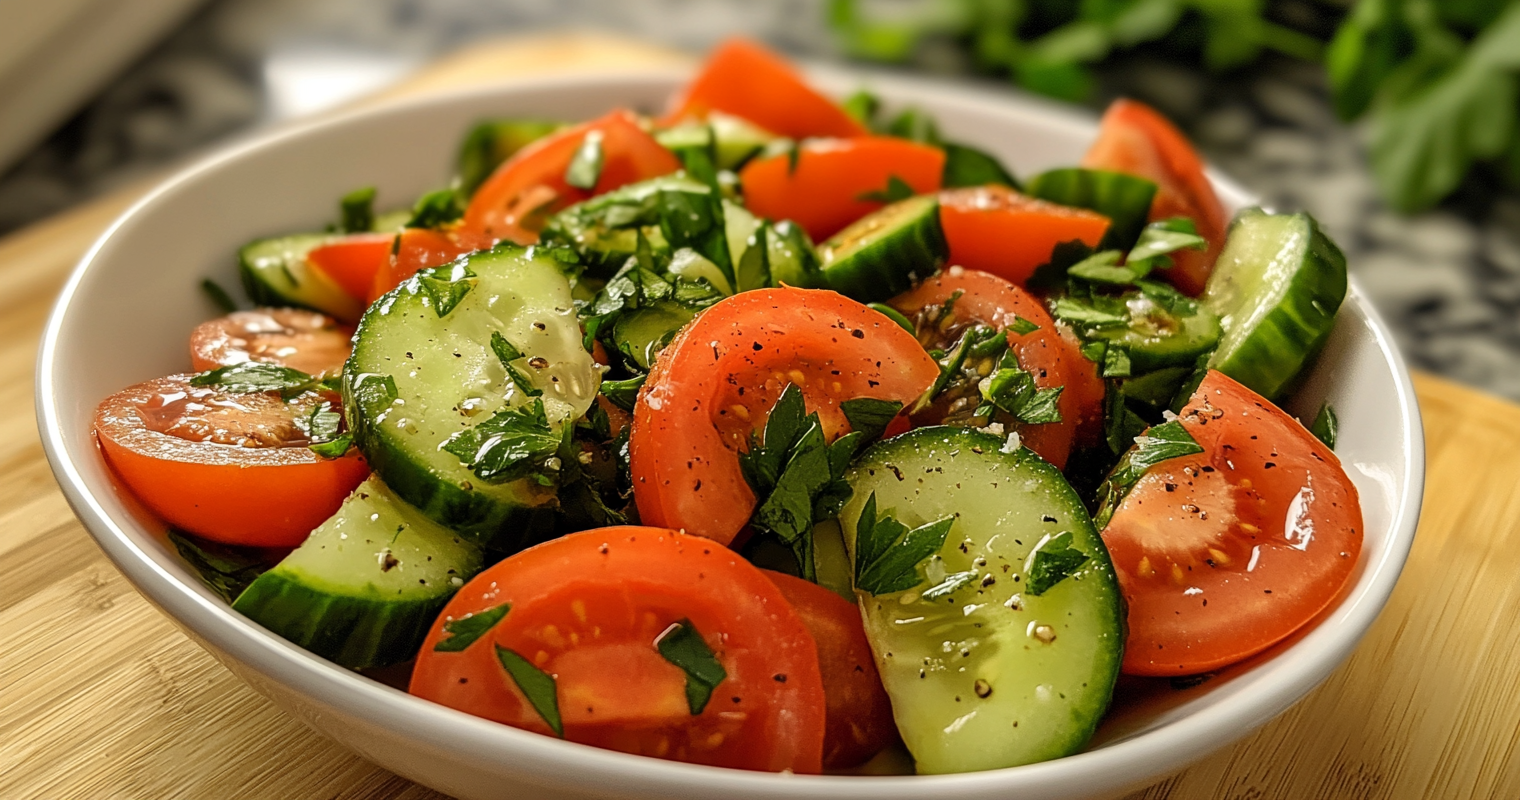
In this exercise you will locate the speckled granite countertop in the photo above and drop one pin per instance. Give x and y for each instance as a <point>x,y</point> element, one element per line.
<point>1448,280</point>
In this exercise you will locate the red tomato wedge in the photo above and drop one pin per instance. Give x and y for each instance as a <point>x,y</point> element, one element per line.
<point>514,202</point>
<point>1052,359</point>
<point>305,340</point>
<point>720,377</point>
<point>353,260</point>
<point>588,609</point>
<point>746,80</point>
<point>421,248</point>
<point>234,468</point>
<point>995,229</point>
<point>1222,554</point>
<point>1134,138</point>
<point>859,719</point>
<point>824,193</point>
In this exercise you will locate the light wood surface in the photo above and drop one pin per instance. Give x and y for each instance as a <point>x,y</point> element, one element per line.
<point>102,697</point>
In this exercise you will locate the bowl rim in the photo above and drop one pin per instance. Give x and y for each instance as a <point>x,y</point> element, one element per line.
<point>568,766</point>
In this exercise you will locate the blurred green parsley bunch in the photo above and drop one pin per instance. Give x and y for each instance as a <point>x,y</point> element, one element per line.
<point>1434,80</point>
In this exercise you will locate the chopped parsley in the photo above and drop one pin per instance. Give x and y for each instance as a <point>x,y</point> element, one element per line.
<point>356,211</point>
<point>895,190</point>
<point>446,286</point>
<point>1326,426</point>
<point>1159,443</point>
<point>887,554</point>
<point>512,443</point>
<point>682,645</point>
<point>1053,560</point>
<point>508,353</point>
<point>437,209</point>
<point>465,630</point>
<point>536,685</point>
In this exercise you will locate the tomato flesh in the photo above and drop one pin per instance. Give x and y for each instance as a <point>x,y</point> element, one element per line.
<point>1222,554</point>
<point>995,229</point>
<point>353,260</point>
<point>833,178</point>
<point>305,340</point>
<point>859,718</point>
<point>718,379</point>
<point>745,80</point>
<point>1135,139</point>
<point>234,468</point>
<point>419,249</point>
<point>588,608</point>
<point>1049,356</point>
<point>517,199</point>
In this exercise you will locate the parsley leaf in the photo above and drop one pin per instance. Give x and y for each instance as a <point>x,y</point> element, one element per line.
<point>1013,390</point>
<point>436,209</point>
<point>258,376</point>
<point>896,189</point>
<point>887,554</point>
<point>1086,315</point>
<point>1166,236</point>
<point>870,416</point>
<point>512,443</point>
<point>446,286</point>
<point>1022,326</point>
<point>1326,427</point>
<point>337,447</point>
<point>536,685</point>
<point>624,393</point>
<point>219,296</point>
<point>322,426</point>
<point>894,315</point>
<point>1053,560</point>
<point>374,392</point>
<point>507,353</point>
<point>682,645</point>
<point>585,167</point>
<point>224,569</point>
<point>464,631</point>
<point>1116,361</point>
<point>356,211</point>
<point>1159,443</point>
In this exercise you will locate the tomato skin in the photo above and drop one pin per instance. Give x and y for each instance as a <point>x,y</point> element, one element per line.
<point>421,248</point>
<point>305,340</point>
<point>745,80</point>
<point>823,193</point>
<point>719,378</point>
<point>232,493</point>
<point>995,229</point>
<point>513,203</point>
<point>1135,139</point>
<point>1218,568</point>
<point>353,260</point>
<point>1052,358</point>
<point>860,722</point>
<point>588,608</point>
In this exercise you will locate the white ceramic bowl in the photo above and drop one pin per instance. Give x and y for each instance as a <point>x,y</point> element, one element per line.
<point>125,314</point>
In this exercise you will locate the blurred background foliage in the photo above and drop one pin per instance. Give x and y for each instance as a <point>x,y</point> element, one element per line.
<point>1431,83</point>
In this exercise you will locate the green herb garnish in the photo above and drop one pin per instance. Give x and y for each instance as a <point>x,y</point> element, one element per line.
<point>257,376</point>
<point>436,209</point>
<point>1159,443</point>
<point>219,296</point>
<point>512,443</point>
<point>1053,560</point>
<point>356,211</point>
<point>224,569</point>
<point>536,685</point>
<point>586,165</point>
<point>1012,390</point>
<point>887,554</point>
<point>446,286</point>
<point>508,353</point>
<point>870,416</point>
<point>682,645</point>
<point>1326,427</point>
<point>464,631</point>
<point>896,189</point>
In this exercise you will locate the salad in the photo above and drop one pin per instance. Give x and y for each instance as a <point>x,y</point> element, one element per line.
<point>773,433</point>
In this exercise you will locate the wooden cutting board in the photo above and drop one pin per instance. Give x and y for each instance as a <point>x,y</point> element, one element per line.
<point>102,697</point>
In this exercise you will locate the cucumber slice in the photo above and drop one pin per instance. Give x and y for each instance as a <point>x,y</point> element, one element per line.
<point>604,230</point>
<point>735,140</point>
<point>1277,286</point>
<point>642,333</point>
<point>1124,199</point>
<point>1158,337</point>
<point>989,675</point>
<point>275,273</point>
<point>446,378</point>
<point>884,253</point>
<point>367,584</point>
<point>790,257</point>
<point>490,143</point>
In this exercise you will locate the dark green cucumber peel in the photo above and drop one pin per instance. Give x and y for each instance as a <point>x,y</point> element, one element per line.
<point>1019,616</point>
<point>643,332</point>
<point>274,273</point>
<point>1277,286</point>
<point>366,586</point>
<point>886,252</point>
<point>1124,199</point>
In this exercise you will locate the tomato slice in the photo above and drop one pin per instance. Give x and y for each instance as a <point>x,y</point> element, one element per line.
<point>419,249</point>
<point>824,192</point>
<point>1136,139</point>
<point>1222,554</point>
<point>746,80</point>
<point>515,201</point>
<point>353,260</point>
<point>720,377</point>
<point>305,340</point>
<point>234,468</point>
<point>859,718</point>
<point>588,610</point>
<point>1051,358</point>
<point>995,229</point>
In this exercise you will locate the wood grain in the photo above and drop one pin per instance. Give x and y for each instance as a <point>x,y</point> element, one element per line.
<point>104,698</point>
